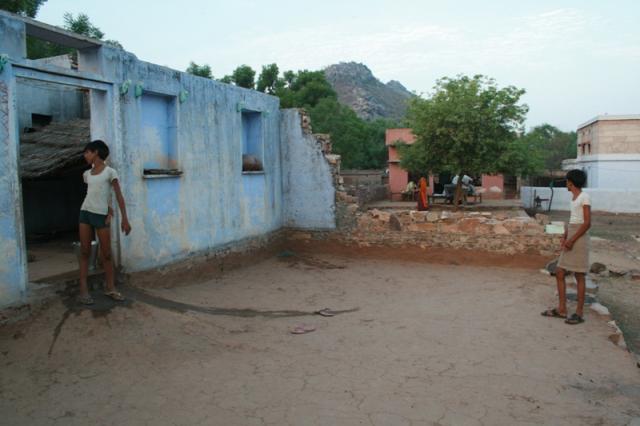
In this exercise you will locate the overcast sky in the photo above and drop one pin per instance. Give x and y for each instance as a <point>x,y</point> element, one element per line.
<point>576,59</point>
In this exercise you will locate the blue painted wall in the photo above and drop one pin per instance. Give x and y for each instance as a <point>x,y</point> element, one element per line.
<point>213,203</point>
<point>309,194</point>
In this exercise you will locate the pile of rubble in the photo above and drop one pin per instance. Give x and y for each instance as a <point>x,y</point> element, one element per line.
<point>491,231</point>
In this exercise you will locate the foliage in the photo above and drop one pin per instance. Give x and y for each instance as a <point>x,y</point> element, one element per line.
<point>304,89</point>
<point>114,43</point>
<point>268,81</point>
<point>82,25</point>
<point>27,8</point>
<point>199,70</point>
<point>360,143</point>
<point>554,144</point>
<point>244,76</point>
<point>469,126</point>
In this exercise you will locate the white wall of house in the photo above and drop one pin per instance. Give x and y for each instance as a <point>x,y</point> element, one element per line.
<point>606,200</point>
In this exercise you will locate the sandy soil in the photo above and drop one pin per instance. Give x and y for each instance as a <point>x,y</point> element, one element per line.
<point>418,344</point>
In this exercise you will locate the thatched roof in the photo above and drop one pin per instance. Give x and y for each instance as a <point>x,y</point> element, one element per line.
<point>53,149</point>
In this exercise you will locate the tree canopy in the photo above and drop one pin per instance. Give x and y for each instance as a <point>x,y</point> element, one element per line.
<point>80,24</point>
<point>360,143</point>
<point>468,125</point>
<point>27,8</point>
<point>554,144</point>
<point>268,81</point>
<point>244,76</point>
<point>199,70</point>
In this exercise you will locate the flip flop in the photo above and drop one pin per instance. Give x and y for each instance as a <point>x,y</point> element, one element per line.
<point>85,300</point>
<point>302,329</point>
<point>553,313</point>
<point>115,295</point>
<point>326,312</point>
<point>574,319</point>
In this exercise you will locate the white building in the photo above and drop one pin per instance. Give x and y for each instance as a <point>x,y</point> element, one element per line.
<point>609,153</point>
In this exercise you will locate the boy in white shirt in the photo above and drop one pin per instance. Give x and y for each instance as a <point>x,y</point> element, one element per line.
<point>96,214</point>
<point>575,249</point>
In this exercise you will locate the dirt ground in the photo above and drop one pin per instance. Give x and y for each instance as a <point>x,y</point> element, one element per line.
<point>412,344</point>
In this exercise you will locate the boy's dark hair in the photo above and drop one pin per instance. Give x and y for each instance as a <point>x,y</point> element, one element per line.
<point>98,146</point>
<point>577,177</point>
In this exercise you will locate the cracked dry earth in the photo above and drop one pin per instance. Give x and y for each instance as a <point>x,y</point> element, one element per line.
<point>429,345</point>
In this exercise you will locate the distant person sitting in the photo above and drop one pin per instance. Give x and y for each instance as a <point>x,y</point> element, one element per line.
<point>467,184</point>
<point>409,191</point>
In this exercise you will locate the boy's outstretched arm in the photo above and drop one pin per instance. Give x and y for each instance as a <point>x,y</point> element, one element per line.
<point>126,227</point>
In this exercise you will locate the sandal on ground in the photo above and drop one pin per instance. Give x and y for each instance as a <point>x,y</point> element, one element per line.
<point>115,295</point>
<point>85,300</point>
<point>326,312</point>
<point>552,313</point>
<point>574,319</point>
<point>302,329</point>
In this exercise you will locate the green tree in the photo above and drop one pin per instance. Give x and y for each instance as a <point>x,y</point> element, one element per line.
<point>467,126</point>
<point>268,81</point>
<point>244,76</point>
<point>304,89</point>
<point>199,70</point>
<point>27,8</point>
<point>82,25</point>
<point>555,145</point>
<point>227,79</point>
<point>360,143</point>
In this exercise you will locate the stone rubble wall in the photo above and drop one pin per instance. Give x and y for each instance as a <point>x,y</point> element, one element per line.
<point>487,231</point>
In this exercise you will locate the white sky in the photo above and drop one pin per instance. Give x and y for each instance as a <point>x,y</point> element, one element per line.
<point>576,59</point>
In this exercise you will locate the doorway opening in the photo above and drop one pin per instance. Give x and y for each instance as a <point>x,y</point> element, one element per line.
<point>55,124</point>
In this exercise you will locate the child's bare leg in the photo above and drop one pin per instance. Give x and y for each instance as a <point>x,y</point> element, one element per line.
<point>582,288</point>
<point>86,235</point>
<point>562,291</point>
<point>104,235</point>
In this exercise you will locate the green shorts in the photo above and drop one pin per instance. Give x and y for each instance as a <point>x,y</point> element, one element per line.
<point>94,219</point>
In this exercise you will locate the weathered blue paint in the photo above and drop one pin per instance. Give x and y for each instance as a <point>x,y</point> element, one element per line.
<point>13,272</point>
<point>62,103</point>
<point>309,193</point>
<point>252,136</point>
<point>213,204</point>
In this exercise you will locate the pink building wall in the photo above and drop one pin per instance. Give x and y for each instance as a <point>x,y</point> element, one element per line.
<point>399,178</point>
<point>489,181</point>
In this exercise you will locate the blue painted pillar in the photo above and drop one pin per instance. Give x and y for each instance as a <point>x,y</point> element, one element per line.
<point>13,266</point>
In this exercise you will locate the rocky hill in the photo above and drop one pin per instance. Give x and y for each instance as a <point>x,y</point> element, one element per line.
<point>370,98</point>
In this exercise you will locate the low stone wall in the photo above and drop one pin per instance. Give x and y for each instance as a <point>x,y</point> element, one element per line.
<point>487,231</point>
<point>368,193</point>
